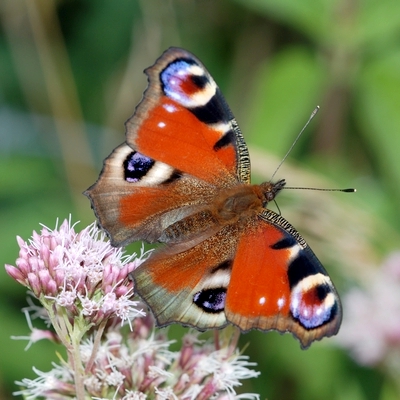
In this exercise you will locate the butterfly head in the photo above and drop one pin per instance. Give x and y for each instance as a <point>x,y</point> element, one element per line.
<point>270,190</point>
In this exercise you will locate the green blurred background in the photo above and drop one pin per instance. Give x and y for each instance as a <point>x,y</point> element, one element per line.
<point>71,74</point>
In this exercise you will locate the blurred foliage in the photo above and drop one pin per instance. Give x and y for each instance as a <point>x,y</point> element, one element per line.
<point>71,74</point>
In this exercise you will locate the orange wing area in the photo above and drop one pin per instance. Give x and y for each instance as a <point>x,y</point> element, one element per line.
<point>263,294</point>
<point>131,211</point>
<point>169,282</point>
<point>143,214</point>
<point>177,138</point>
<point>259,292</point>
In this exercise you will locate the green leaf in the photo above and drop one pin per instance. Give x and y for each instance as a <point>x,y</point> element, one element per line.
<point>286,92</point>
<point>377,112</point>
<point>309,16</point>
<point>379,24</point>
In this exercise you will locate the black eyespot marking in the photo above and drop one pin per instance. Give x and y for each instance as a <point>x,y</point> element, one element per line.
<point>226,140</point>
<point>216,110</point>
<point>302,267</point>
<point>211,300</point>
<point>226,265</point>
<point>199,80</point>
<point>334,311</point>
<point>136,166</point>
<point>321,291</point>
<point>285,243</point>
<point>174,177</point>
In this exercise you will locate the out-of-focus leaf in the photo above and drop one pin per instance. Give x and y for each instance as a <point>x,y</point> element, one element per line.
<point>32,191</point>
<point>286,91</point>
<point>15,362</point>
<point>389,391</point>
<point>377,111</point>
<point>350,391</point>
<point>309,16</point>
<point>368,23</point>
<point>378,24</point>
<point>307,374</point>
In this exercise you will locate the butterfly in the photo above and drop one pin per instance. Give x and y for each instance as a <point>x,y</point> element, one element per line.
<point>182,178</point>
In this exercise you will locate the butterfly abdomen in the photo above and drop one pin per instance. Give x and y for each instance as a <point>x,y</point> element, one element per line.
<point>229,207</point>
<point>189,227</point>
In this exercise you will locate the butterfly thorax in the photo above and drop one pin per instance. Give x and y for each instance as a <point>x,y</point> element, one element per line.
<point>230,206</point>
<point>242,201</point>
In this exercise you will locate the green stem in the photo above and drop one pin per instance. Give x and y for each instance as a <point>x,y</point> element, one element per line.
<point>75,357</point>
<point>96,345</point>
<point>70,336</point>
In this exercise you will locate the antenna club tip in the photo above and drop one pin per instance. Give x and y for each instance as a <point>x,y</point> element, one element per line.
<point>350,190</point>
<point>316,109</point>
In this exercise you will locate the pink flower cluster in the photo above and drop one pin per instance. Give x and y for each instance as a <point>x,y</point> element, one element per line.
<point>138,365</point>
<point>80,272</point>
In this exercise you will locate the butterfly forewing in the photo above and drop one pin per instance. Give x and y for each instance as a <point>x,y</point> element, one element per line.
<point>137,198</point>
<point>184,121</point>
<point>183,145</point>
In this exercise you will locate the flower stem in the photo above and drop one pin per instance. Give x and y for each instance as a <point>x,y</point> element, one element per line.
<point>75,356</point>
<point>71,335</point>
<point>96,345</point>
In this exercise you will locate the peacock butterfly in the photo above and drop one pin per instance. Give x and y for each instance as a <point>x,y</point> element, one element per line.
<point>183,178</point>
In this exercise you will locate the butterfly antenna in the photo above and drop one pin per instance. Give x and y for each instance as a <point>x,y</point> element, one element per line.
<point>313,114</point>
<point>276,204</point>
<point>347,190</point>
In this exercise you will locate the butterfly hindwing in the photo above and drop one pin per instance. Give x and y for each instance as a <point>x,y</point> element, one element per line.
<point>189,287</point>
<point>286,288</point>
<point>260,276</point>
